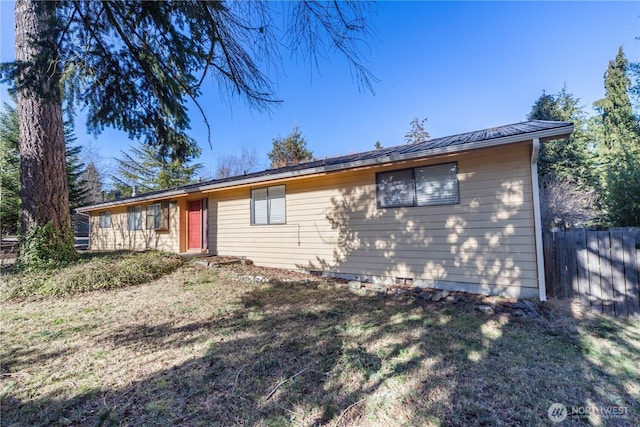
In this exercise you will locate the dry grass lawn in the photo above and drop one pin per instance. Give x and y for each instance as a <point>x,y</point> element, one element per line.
<point>208,346</point>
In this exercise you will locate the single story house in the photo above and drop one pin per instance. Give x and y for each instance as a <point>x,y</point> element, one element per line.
<point>458,213</point>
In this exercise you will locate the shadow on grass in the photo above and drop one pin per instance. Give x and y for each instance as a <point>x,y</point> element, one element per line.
<point>299,353</point>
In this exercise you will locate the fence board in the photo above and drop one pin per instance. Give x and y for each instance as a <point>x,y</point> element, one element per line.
<point>550,261</point>
<point>582,266</point>
<point>604,252</point>
<point>572,265</point>
<point>595,290</point>
<point>561,264</point>
<point>617,274</point>
<point>631,273</point>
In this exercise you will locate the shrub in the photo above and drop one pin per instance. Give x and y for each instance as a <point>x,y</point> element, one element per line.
<point>45,246</point>
<point>96,273</point>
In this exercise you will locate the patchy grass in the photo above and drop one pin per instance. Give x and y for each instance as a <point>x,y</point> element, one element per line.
<point>94,271</point>
<point>204,346</point>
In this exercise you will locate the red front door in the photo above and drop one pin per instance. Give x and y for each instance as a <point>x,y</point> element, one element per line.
<point>195,224</point>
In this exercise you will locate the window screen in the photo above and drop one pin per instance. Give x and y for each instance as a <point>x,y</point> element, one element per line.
<point>437,185</point>
<point>268,205</point>
<point>395,188</point>
<point>423,186</point>
<point>104,220</point>
<point>134,218</point>
<point>158,216</point>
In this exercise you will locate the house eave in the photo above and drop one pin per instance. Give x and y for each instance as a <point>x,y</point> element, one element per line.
<point>542,135</point>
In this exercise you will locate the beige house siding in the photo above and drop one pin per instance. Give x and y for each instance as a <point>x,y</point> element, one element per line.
<point>118,236</point>
<point>483,244</point>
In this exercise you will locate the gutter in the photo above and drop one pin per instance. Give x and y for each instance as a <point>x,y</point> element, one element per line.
<point>535,190</point>
<point>545,134</point>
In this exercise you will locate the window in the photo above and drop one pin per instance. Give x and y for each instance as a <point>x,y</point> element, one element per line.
<point>158,216</point>
<point>268,205</point>
<point>104,220</point>
<point>134,218</point>
<point>423,186</point>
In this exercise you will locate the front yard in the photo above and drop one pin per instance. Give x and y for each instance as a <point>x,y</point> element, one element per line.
<point>242,345</point>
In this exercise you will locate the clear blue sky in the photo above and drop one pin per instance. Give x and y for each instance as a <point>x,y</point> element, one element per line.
<point>465,66</point>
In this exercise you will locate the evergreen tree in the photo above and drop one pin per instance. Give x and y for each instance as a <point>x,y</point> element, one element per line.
<point>136,65</point>
<point>568,193</point>
<point>10,167</point>
<point>618,145</point>
<point>290,150</point>
<point>620,129</point>
<point>92,184</point>
<point>417,133</point>
<point>9,171</point>
<point>147,170</point>
<point>564,158</point>
<point>634,71</point>
<point>75,170</point>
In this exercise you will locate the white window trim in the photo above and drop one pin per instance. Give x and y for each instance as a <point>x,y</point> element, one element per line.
<point>270,205</point>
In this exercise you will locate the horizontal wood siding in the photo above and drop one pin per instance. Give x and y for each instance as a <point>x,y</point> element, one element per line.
<point>119,237</point>
<point>333,224</point>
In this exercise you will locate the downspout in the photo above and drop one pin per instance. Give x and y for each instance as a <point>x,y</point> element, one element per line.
<point>535,189</point>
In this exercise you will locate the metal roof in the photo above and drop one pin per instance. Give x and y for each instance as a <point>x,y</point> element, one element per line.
<point>518,132</point>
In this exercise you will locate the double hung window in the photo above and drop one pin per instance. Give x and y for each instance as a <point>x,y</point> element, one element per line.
<point>268,205</point>
<point>158,216</point>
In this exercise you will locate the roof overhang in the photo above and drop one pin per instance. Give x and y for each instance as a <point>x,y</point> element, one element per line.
<point>542,135</point>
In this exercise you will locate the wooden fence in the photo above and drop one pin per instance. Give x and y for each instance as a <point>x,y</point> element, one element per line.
<point>602,267</point>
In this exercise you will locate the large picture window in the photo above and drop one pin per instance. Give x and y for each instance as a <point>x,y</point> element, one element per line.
<point>422,186</point>
<point>268,205</point>
<point>104,219</point>
<point>134,218</point>
<point>158,216</point>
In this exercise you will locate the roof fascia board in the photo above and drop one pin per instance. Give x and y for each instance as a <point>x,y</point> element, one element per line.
<point>542,135</point>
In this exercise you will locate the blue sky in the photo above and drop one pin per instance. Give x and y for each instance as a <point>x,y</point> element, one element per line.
<point>464,65</point>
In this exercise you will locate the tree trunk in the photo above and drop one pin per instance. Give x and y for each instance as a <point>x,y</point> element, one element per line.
<point>43,193</point>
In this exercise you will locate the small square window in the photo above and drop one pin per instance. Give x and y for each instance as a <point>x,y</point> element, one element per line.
<point>268,205</point>
<point>437,185</point>
<point>104,219</point>
<point>158,216</point>
<point>134,218</point>
<point>395,189</point>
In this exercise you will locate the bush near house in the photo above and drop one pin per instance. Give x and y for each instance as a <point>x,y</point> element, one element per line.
<point>93,271</point>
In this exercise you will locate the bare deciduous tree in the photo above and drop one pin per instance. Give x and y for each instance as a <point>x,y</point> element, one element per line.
<point>237,164</point>
<point>565,205</point>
